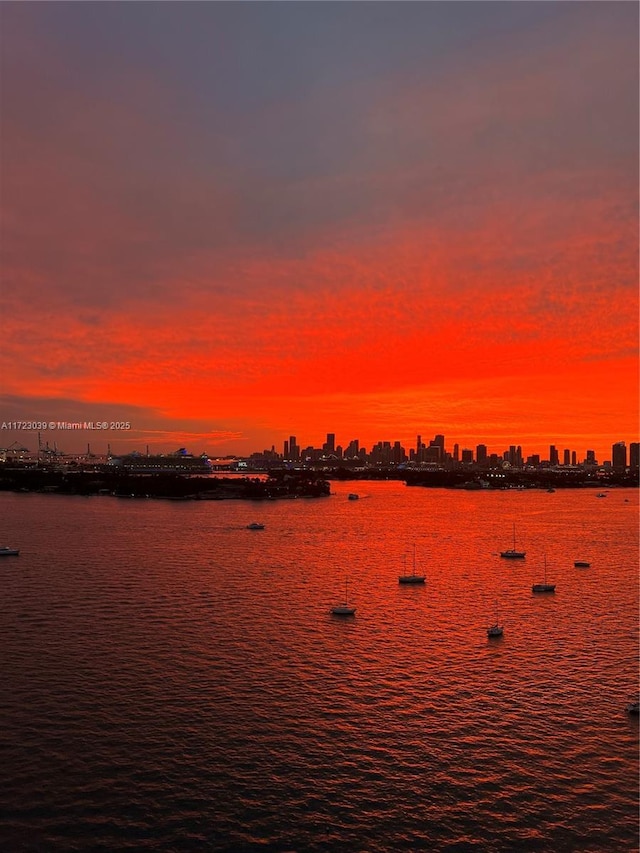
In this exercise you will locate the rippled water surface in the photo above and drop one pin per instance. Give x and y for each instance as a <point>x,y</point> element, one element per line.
<point>174,681</point>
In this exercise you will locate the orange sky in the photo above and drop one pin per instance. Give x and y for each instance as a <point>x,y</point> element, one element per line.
<point>296,235</point>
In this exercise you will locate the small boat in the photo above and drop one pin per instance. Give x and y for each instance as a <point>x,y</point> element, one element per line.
<point>544,587</point>
<point>413,577</point>
<point>353,497</point>
<point>581,564</point>
<point>633,708</point>
<point>345,609</point>
<point>9,552</point>
<point>495,630</point>
<point>512,553</point>
<point>551,491</point>
<point>601,495</point>
<point>255,525</point>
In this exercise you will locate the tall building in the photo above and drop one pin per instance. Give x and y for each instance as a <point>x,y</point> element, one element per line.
<point>467,457</point>
<point>436,448</point>
<point>634,454</point>
<point>566,457</point>
<point>439,442</point>
<point>353,449</point>
<point>398,454</point>
<point>481,453</point>
<point>294,450</point>
<point>591,458</point>
<point>330,445</point>
<point>456,452</point>
<point>554,459</point>
<point>431,453</point>
<point>574,458</point>
<point>619,455</point>
<point>514,456</point>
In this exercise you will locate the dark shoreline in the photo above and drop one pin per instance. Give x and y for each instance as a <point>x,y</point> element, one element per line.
<point>163,486</point>
<point>283,484</point>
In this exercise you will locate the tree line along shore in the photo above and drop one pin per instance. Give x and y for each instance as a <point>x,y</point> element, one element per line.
<point>285,484</point>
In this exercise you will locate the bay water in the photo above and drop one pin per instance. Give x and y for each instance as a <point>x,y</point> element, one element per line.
<point>172,680</point>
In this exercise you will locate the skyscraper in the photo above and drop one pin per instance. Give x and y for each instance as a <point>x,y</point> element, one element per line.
<point>353,449</point>
<point>398,455</point>
<point>554,459</point>
<point>438,442</point>
<point>619,455</point>
<point>634,454</point>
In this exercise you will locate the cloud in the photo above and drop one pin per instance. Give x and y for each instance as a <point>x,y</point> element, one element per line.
<point>202,232</point>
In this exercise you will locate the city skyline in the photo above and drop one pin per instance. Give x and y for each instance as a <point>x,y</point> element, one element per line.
<point>220,220</point>
<point>620,453</point>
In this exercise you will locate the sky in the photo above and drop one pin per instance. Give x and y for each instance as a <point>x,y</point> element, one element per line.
<point>229,223</point>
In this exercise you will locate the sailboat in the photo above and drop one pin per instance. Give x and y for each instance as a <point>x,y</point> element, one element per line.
<point>413,577</point>
<point>495,630</point>
<point>544,587</point>
<point>345,609</point>
<point>511,553</point>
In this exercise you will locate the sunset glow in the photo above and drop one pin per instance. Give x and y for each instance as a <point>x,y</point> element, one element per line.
<point>229,223</point>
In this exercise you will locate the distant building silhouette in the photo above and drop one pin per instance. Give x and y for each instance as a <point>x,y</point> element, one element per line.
<point>329,446</point>
<point>619,455</point>
<point>435,455</point>
<point>353,449</point>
